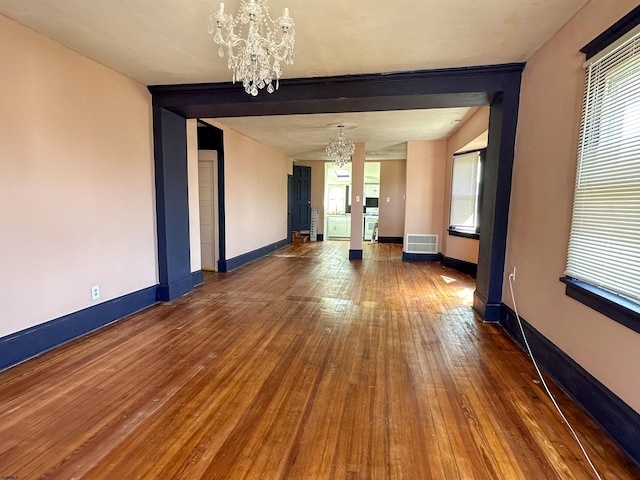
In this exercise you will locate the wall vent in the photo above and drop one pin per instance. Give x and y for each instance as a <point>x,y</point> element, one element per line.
<point>421,243</point>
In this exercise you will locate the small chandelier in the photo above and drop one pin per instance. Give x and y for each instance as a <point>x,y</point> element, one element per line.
<point>256,51</point>
<point>340,149</point>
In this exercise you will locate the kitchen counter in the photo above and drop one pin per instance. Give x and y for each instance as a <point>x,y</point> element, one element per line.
<point>339,226</point>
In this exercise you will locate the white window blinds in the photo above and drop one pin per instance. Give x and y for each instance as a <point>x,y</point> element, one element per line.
<point>604,247</point>
<point>464,192</point>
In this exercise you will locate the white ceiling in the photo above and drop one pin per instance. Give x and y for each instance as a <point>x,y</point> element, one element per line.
<point>166,42</point>
<point>305,137</point>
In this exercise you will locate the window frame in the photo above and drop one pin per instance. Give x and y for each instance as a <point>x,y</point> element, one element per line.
<point>467,233</point>
<point>618,308</point>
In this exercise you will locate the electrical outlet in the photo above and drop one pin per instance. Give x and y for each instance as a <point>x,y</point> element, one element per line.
<point>512,273</point>
<point>95,292</point>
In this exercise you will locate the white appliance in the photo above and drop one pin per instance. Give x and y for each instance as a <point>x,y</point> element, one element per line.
<point>370,220</point>
<point>371,211</point>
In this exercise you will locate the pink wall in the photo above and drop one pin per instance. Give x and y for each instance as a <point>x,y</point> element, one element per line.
<point>194,197</point>
<point>541,202</point>
<point>255,193</point>
<point>393,177</point>
<point>317,187</point>
<point>76,181</point>
<point>426,162</point>
<point>458,247</point>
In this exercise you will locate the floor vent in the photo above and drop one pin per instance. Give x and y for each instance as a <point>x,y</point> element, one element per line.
<point>421,243</point>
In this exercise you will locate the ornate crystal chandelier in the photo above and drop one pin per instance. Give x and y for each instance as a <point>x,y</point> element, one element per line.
<point>259,46</point>
<point>340,149</point>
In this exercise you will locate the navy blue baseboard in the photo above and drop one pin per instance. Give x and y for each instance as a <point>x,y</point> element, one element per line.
<point>615,417</point>
<point>489,312</point>
<point>240,260</point>
<point>421,257</point>
<point>197,278</point>
<point>460,265</point>
<point>176,289</point>
<point>355,254</point>
<point>390,240</point>
<point>320,237</point>
<point>25,344</point>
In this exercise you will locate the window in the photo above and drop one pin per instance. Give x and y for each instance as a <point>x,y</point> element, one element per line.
<point>465,194</point>
<point>604,246</point>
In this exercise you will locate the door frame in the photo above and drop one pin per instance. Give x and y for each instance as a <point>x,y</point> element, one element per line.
<point>289,208</point>
<point>215,227</point>
<point>495,85</point>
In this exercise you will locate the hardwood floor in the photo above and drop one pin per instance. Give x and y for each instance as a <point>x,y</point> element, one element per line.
<point>302,365</point>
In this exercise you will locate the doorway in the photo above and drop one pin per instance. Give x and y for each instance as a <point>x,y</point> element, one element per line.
<point>301,219</point>
<point>207,189</point>
<point>337,208</point>
<point>494,85</point>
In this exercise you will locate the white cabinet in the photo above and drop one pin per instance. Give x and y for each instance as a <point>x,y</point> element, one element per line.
<point>372,190</point>
<point>339,227</point>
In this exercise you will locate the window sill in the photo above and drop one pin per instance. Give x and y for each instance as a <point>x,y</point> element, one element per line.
<point>620,309</point>
<point>458,233</point>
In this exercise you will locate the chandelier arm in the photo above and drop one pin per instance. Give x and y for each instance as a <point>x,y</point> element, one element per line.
<point>340,149</point>
<point>254,58</point>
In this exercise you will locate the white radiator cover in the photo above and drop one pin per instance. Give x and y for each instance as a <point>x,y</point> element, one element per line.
<point>421,243</point>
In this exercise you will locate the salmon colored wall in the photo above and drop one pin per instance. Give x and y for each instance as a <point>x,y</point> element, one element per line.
<point>255,193</point>
<point>357,196</point>
<point>541,203</point>
<point>393,176</point>
<point>76,181</point>
<point>194,197</point>
<point>317,187</point>
<point>458,247</point>
<point>426,162</point>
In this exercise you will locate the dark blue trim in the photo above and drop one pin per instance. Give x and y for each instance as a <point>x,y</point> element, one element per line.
<point>457,233</point>
<point>614,416</point>
<point>489,312</point>
<point>355,254</point>
<point>290,203</point>
<point>172,204</point>
<point>446,87</point>
<point>460,265</point>
<point>397,240</point>
<point>240,260</point>
<point>613,33</point>
<point>177,289</point>
<point>496,195</point>
<point>222,222</point>
<point>320,237</point>
<point>197,278</point>
<point>421,257</point>
<point>212,138</point>
<point>21,346</point>
<point>620,309</point>
<point>494,85</point>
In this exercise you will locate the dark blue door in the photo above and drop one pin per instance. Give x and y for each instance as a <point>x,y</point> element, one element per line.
<point>301,198</point>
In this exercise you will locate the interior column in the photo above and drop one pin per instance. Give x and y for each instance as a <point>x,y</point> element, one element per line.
<point>172,204</point>
<point>357,201</point>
